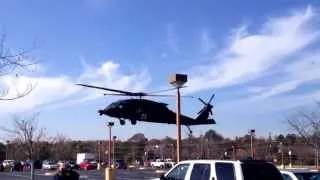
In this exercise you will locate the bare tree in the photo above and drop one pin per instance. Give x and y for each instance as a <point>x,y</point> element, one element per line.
<point>307,125</point>
<point>62,149</point>
<point>26,132</point>
<point>11,63</point>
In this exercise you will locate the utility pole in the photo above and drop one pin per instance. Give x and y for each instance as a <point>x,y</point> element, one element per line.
<point>290,163</point>
<point>252,133</point>
<point>317,158</point>
<point>233,152</point>
<point>99,152</point>
<point>113,149</point>
<point>201,146</point>
<point>7,149</point>
<point>110,125</point>
<point>178,80</point>
<point>282,158</point>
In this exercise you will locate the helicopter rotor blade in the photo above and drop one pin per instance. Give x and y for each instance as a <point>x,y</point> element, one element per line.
<point>211,98</point>
<point>167,95</point>
<point>108,89</point>
<point>114,94</point>
<point>201,110</point>
<point>202,101</point>
<point>128,93</point>
<point>164,90</point>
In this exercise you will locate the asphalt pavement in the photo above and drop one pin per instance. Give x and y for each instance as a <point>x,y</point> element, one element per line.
<point>132,174</point>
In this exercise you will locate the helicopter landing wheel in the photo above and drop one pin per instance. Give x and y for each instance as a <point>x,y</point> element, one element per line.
<point>133,122</point>
<point>122,122</point>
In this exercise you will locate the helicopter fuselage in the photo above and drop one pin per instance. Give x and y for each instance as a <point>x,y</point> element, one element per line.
<point>143,110</point>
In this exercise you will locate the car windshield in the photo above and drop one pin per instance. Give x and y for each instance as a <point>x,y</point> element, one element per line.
<point>260,171</point>
<point>308,175</point>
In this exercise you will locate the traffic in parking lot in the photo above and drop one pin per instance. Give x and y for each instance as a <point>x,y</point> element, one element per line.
<point>132,174</point>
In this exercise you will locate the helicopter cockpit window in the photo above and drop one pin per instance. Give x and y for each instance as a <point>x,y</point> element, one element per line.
<point>114,105</point>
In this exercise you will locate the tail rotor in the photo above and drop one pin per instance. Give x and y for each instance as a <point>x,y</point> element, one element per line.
<point>208,107</point>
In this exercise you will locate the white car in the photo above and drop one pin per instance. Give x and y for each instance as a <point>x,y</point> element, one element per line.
<point>48,165</point>
<point>300,174</point>
<point>222,170</point>
<point>7,163</point>
<point>158,163</point>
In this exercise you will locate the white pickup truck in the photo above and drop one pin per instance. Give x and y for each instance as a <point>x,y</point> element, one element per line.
<point>222,170</point>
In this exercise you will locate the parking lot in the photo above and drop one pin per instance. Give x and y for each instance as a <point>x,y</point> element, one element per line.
<point>132,174</point>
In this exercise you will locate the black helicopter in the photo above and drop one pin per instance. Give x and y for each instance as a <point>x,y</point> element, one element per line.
<point>139,109</point>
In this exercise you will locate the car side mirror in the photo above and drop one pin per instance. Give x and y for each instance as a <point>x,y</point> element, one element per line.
<point>162,177</point>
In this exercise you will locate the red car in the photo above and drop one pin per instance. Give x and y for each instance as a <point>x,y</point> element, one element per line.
<point>87,165</point>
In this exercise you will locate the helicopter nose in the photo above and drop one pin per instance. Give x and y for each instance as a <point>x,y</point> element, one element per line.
<point>101,112</point>
<point>107,111</point>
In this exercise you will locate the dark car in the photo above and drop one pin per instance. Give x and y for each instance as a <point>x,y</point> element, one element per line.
<point>1,167</point>
<point>17,166</point>
<point>120,164</point>
<point>37,164</point>
<point>72,165</point>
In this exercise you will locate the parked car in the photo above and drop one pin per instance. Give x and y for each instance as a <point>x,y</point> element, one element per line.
<point>169,162</point>
<point>17,166</point>
<point>49,165</point>
<point>72,165</point>
<point>120,164</point>
<point>87,165</point>
<point>1,167</point>
<point>160,163</point>
<point>300,174</point>
<point>8,163</point>
<point>221,169</point>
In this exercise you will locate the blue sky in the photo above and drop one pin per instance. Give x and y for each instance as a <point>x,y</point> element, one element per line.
<point>261,58</point>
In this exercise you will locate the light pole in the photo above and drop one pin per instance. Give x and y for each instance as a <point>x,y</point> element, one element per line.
<point>282,158</point>
<point>178,80</point>
<point>233,152</point>
<point>7,149</point>
<point>113,150</point>
<point>290,165</point>
<point>99,152</point>
<point>110,125</point>
<point>225,155</point>
<point>252,133</point>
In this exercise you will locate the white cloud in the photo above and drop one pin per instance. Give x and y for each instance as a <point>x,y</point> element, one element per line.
<point>207,45</point>
<point>249,56</point>
<point>171,38</point>
<point>304,70</point>
<point>57,91</point>
<point>272,105</point>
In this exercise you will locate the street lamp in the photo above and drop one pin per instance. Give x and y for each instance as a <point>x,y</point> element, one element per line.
<point>282,158</point>
<point>99,151</point>
<point>290,165</point>
<point>110,125</point>
<point>113,149</point>
<point>7,149</point>
<point>233,152</point>
<point>178,80</point>
<point>252,133</point>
